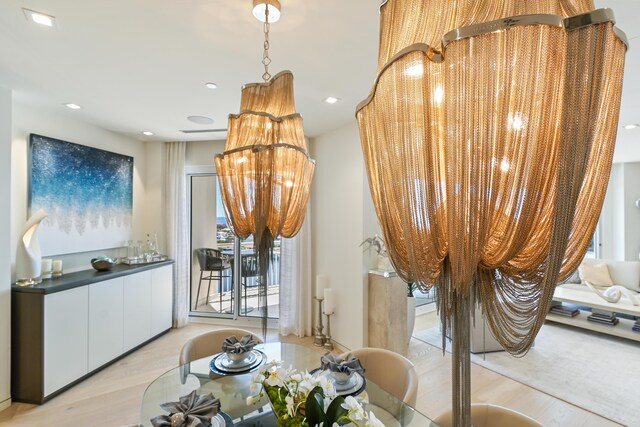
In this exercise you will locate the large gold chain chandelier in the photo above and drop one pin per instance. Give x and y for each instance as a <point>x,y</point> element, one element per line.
<point>488,138</point>
<point>265,171</point>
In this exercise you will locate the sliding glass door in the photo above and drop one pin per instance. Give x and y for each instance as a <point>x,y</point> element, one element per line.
<point>224,276</point>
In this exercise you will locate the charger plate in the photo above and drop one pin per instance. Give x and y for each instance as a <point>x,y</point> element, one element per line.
<point>221,364</point>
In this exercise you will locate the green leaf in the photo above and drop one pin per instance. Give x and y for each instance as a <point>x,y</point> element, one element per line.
<point>314,408</point>
<point>335,410</point>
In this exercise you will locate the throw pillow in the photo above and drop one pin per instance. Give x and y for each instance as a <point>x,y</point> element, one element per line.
<point>574,278</point>
<point>596,274</point>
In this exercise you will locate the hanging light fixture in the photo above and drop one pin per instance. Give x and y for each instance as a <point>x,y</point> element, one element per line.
<point>488,138</point>
<point>265,171</point>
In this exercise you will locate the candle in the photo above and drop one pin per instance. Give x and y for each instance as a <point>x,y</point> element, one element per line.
<point>322,283</point>
<point>46,268</point>
<point>328,301</point>
<point>57,267</point>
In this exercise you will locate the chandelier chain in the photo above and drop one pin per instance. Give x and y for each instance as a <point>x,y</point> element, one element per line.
<point>265,55</point>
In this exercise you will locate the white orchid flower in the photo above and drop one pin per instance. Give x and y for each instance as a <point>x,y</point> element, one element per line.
<point>373,421</point>
<point>356,411</point>
<point>251,400</point>
<point>291,410</point>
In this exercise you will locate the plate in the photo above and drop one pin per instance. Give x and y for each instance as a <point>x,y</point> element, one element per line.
<point>221,420</point>
<point>353,386</point>
<point>222,364</point>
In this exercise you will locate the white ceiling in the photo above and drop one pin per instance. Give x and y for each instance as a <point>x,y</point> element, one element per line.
<point>142,65</point>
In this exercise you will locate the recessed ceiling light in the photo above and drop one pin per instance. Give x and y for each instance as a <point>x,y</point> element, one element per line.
<point>260,6</point>
<point>201,120</point>
<point>631,126</point>
<point>331,100</point>
<point>39,18</point>
<point>211,85</point>
<point>72,106</point>
<point>146,132</point>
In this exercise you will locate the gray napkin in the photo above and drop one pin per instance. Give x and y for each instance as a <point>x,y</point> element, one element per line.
<point>193,410</point>
<point>232,345</point>
<point>335,363</point>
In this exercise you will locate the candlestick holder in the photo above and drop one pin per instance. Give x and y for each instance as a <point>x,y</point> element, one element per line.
<point>319,338</point>
<point>328,345</point>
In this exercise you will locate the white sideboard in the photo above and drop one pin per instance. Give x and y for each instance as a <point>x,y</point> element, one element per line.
<point>65,329</point>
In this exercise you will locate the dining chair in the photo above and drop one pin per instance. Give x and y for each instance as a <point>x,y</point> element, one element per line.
<point>391,371</point>
<point>487,415</point>
<point>249,268</point>
<point>210,343</point>
<point>213,264</point>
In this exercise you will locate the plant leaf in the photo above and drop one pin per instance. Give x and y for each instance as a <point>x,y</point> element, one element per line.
<point>314,408</point>
<point>335,410</point>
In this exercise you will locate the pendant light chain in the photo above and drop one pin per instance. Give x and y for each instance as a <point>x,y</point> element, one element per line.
<point>265,56</point>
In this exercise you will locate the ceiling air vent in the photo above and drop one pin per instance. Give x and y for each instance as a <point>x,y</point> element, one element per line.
<point>202,130</point>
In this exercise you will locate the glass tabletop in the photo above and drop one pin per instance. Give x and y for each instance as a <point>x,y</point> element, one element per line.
<point>233,390</point>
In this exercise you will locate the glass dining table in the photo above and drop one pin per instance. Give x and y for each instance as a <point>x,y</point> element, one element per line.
<point>233,390</point>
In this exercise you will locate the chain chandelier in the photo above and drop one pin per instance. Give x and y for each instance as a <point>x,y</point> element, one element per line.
<point>265,171</point>
<point>488,139</point>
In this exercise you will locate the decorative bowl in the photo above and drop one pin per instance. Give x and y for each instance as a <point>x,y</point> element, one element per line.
<point>102,263</point>
<point>237,357</point>
<point>340,377</point>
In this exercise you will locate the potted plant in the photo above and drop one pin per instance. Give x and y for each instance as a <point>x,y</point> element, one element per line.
<point>301,399</point>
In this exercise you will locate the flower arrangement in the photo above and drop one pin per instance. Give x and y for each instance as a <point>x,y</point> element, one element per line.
<point>301,399</point>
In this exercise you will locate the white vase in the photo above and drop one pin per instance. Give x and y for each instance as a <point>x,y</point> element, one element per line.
<point>411,315</point>
<point>28,255</point>
<point>384,263</point>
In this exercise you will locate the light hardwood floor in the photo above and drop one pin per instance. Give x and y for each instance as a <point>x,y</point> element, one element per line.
<point>112,397</point>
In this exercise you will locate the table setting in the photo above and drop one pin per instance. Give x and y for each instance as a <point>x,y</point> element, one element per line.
<point>274,384</point>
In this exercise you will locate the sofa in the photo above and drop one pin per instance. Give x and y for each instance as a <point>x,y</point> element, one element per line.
<point>622,273</point>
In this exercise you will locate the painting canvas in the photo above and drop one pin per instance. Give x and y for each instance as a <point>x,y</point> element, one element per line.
<point>86,192</point>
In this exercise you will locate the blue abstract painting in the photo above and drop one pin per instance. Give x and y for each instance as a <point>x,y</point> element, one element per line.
<point>86,192</point>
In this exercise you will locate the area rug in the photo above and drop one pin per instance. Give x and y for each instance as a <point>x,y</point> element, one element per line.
<point>596,372</point>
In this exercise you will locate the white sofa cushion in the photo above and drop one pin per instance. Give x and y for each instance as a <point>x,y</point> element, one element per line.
<point>596,274</point>
<point>623,273</point>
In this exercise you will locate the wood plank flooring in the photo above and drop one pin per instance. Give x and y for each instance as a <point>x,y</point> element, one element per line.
<point>113,396</point>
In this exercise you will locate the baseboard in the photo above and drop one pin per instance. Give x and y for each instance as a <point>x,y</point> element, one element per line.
<point>5,404</point>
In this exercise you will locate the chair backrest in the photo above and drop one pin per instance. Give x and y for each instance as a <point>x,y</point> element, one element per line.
<point>250,265</point>
<point>212,259</point>
<point>391,371</point>
<point>210,343</point>
<point>487,415</point>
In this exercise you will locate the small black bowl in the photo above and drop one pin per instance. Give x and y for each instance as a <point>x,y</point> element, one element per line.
<point>102,263</point>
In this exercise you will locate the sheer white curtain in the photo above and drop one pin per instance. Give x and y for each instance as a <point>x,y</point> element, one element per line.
<point>178,230</point>
<point>296,295</point>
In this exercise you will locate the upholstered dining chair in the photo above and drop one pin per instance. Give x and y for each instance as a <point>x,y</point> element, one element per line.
<point>487,415</point>
<point>210,343</point>
<point>391,371</point>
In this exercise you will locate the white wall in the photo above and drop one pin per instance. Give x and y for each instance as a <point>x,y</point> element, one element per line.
<point>5,249</point>
<point>631,212</point>
<point>620,219</point>
<point>337,229</point>
<point>155,218</point>
<point>202,153</point>
<point>51,123</point>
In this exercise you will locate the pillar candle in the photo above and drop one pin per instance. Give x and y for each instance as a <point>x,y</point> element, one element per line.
<point>57,267</point>
<point>322,283</point>
<point>328,301</point>
<point>46,265</point>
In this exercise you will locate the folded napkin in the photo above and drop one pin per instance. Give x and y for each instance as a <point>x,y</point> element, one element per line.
<point>193,410</point>
<point>335,363</point>
<point>232,345</point>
